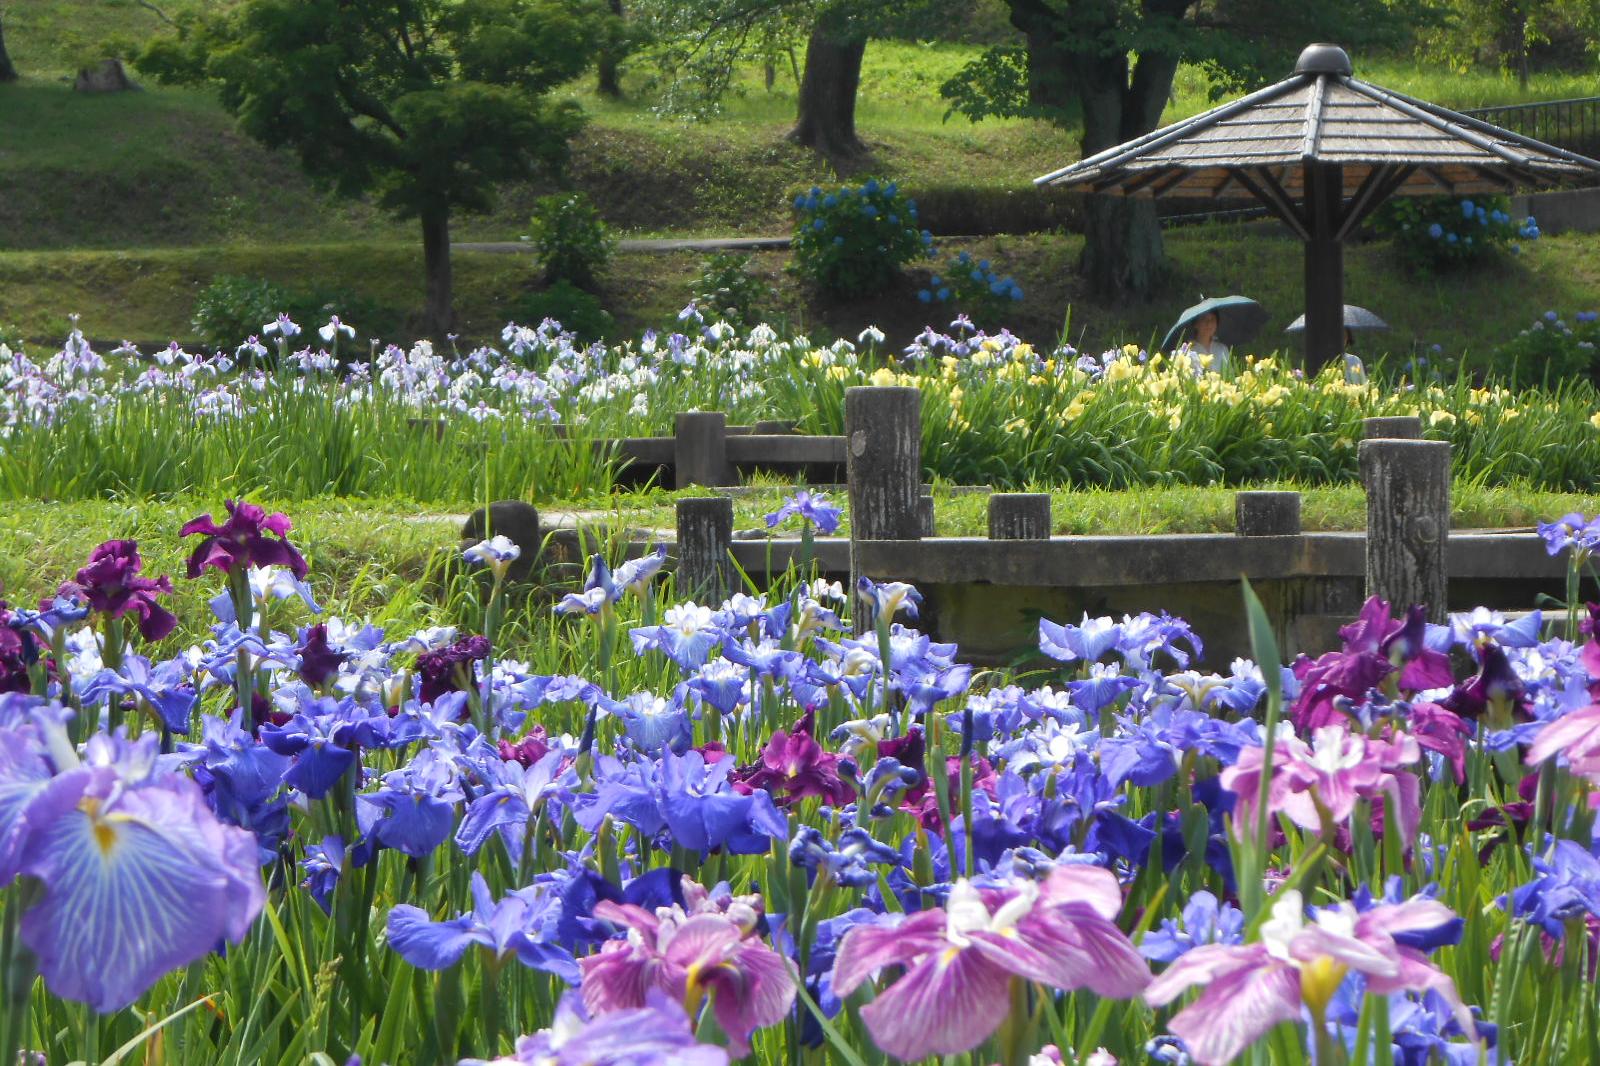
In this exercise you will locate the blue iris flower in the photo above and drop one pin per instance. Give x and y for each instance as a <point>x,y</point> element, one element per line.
<point>512,927</point>
<point>847,863</point>
<point>1567,886</point>
<point>511,795</point>
<point>1436,231</point>
<point>577,926</point>
<point>1086,642</point>
<point>685,801</point>
<point>164,686</point>
<point>415,809</point>
<point>653,723</point>
<point>1204,921</point>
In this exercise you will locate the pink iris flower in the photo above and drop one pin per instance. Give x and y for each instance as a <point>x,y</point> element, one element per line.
<point>1575,735</point>
<point>1335,770</point>
<point>959,961</point>
<point>1249,988</point>
<point>689,956</point>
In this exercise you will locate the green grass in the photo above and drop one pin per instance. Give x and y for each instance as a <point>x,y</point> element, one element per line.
<point>365,552</point>
<point>165,167</point>
<point>148,295</point>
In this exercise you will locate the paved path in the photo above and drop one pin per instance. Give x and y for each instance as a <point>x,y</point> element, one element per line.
<point>673,244</point>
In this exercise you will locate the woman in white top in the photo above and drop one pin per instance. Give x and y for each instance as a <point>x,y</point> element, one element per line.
<point>1203,340</point>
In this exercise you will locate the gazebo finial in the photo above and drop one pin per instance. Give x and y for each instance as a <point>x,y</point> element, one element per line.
<point>1324,59</point>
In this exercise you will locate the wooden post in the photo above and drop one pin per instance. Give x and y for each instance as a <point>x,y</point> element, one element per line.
<point>1266,514</point>
<point>925,515</point>
<point>705,535</point>
<point>883,464</point>
<point>1408,522</point>
<point>1324,199</point>
<point>1019,516</point>
<point>516,521</point>
<point>701,454</point>
<point>1392,427</point>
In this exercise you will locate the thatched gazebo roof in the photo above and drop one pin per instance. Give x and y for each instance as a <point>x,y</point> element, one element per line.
<point>1322,149</point>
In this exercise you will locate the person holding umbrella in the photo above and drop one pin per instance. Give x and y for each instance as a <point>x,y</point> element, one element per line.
<point>1356,320</point>
<point>1215,326</point>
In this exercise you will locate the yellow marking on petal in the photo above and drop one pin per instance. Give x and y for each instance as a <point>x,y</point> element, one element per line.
<point>1319,980</point>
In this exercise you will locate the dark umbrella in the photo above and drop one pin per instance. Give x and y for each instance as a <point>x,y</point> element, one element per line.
<point>1239,319</point>
<point>1356,319</point>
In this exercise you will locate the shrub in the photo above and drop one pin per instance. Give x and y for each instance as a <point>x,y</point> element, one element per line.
<point>973,288</point>
<point>233,307</point>
<point>1441,232</point>
<point>856,240</point>
<point>577,311</point>
<point>727,289</point>
<point>1551,352</point>
<point>569,239</point>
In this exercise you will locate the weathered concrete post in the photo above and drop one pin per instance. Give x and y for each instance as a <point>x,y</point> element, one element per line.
<point>1408,522</point>
<point>1019,516</point>
<point>1266,514</point>
<point>883,458</point>
<point>705,535</point>
<point>1392,427</point>
<point>701,453</point>
<point>516,521</point>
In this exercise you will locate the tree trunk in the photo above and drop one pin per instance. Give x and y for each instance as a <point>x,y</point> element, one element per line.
<point>7,71</point>
<point>827,113</point>
<point>610,59</point>
<point>437,316</point>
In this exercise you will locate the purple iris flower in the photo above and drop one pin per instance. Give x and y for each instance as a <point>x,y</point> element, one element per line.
<point>513,926</point>
<point>1572,532</point>
<point>793,767</point>
<point>111,584</point>
<point>319,661</point>
<point>323,865</point>
<point>811,507</point>
<point>656,1034</point>
<point>414,809</point>
<point>242,541</point>
<point>1204,921</point>
<point>512,795</point>
<point>450,669</point>
<point>138,876</point>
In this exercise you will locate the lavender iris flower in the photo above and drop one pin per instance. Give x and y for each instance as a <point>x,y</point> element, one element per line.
<point>163,686</point>
<point>657,1034</point>
<point>138,876</point>
<point>812,508</point>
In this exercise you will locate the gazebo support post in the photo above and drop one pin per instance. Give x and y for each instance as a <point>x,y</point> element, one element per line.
<point>1324,203</point>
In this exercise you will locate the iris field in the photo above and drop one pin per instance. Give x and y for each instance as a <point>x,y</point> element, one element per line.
<point>255,812</point>
<point>289,417</point>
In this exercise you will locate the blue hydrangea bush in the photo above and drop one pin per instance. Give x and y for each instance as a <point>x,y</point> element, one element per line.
<point>855,240</point>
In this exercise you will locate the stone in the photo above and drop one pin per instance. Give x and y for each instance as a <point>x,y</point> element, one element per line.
<point>106,76</point>
<point>515,520</point>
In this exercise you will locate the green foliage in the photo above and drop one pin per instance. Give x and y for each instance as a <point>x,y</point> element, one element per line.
<point>855,240</point>
<point>727,289</point>
<point>1442,233</point>
<point>233,307</point>
<point>1514,36</point>
<point>576,310</point>
<point>1551,351</point>
<point>570,241</point>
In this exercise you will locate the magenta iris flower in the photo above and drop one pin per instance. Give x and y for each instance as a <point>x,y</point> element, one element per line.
<point>1334,771</point>
<point>138,876</point>
<point>1249,988</point>
<point>242,541</point>
<point>793,766</point>
<point>1574,736</point>
<point>111,583</point>
<point>960,960</point>
<point>689,957</point>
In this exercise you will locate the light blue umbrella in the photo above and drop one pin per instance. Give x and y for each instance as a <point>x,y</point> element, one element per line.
<point>1239,319</point>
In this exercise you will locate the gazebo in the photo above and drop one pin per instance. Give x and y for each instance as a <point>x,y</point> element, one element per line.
<point>1321,150</point>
